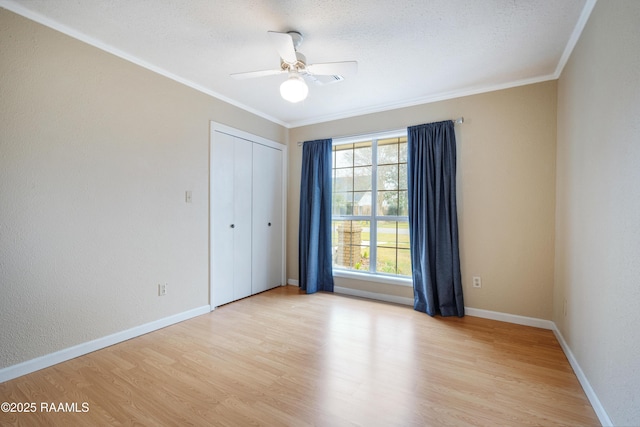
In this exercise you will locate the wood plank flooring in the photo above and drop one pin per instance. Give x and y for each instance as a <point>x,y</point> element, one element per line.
<point>283,358</point>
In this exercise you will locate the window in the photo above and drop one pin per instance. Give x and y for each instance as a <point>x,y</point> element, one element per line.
<point>370,227</point>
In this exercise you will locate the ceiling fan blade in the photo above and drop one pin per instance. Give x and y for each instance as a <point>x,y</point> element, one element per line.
<point>344,69</point>
<point>322,80</point>
<point>283,42</point>
<point>253,74</point>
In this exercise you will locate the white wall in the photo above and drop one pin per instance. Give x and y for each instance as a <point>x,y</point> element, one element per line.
<point>95,157</point>
<point>598,207</point>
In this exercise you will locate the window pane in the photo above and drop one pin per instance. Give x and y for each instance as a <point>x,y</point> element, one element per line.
<point>343,180</point>
<point>387,234</point>
<point>362,178</point>
<point>392,248</point>
<point>387,262</point>
<point>402,179</point>
<point>388,203</point>
<point>344,155</point>
<point>403,150</point>
<point>388,177</point>
<point>387,151</point>
<point>342,203</point>
<point>404,262</point>
<point>403,203</point>
<point>362,203</point>
<point>362,154</point>
<point>403,234</point>
<point>350,241</point>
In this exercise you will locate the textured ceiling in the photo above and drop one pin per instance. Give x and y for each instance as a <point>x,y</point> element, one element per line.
<point>408,51</point>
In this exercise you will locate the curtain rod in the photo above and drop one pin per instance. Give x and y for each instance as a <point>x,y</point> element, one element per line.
<point>457,121</point>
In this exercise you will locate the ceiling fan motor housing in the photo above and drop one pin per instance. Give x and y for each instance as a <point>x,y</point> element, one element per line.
<point>294,62</point>
<point>300,64</point>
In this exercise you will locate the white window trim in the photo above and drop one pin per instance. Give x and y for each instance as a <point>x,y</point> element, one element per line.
<point>364,137</point>
<point>372,277</point>
<point>368,276</point>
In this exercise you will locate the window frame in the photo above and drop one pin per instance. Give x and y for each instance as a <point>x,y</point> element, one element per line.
<point>374,217</point>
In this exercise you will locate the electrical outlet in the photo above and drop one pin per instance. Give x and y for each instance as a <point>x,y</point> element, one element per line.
<point>162,289</point>
<point>477,282</point>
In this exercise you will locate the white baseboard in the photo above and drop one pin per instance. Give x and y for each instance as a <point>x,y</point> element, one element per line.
<point>510,318</point>
<point>476,312</point>
<point>45,361</point>
<point>584,382</point>
<point>292,282</point>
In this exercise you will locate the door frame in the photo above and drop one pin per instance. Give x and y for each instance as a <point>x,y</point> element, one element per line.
<point>221,128</point>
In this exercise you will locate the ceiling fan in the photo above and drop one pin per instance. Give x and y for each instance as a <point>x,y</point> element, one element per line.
<point>294,63</point>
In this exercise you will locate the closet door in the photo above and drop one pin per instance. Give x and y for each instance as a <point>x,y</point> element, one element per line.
<point>267,245</point>
<point>230,218</point>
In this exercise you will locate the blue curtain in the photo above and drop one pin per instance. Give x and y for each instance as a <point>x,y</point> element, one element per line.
<point>314,238</point>
<point>433,219</point>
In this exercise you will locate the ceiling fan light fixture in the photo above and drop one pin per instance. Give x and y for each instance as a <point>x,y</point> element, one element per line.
<point>294,89</point>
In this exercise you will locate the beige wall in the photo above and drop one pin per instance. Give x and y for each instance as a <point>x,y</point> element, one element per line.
<point>95,156</point>
<point>506,193</point>
<point>598,207</point>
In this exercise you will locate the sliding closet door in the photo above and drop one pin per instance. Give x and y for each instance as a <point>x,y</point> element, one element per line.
<point>267,245</point>
<point>248,175</point>
<point>231,164</point>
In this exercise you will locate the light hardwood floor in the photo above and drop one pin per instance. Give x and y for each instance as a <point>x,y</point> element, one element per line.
<point>286,358</point>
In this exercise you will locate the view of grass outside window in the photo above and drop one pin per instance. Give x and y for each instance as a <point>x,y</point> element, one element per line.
<point>370,229</point>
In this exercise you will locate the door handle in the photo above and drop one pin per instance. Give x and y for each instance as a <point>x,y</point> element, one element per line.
<point>269,224</point>
<point>233,226</point>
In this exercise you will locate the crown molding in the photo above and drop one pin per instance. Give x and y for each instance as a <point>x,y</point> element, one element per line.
<point>575,36</point>
<point>473,90</point>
